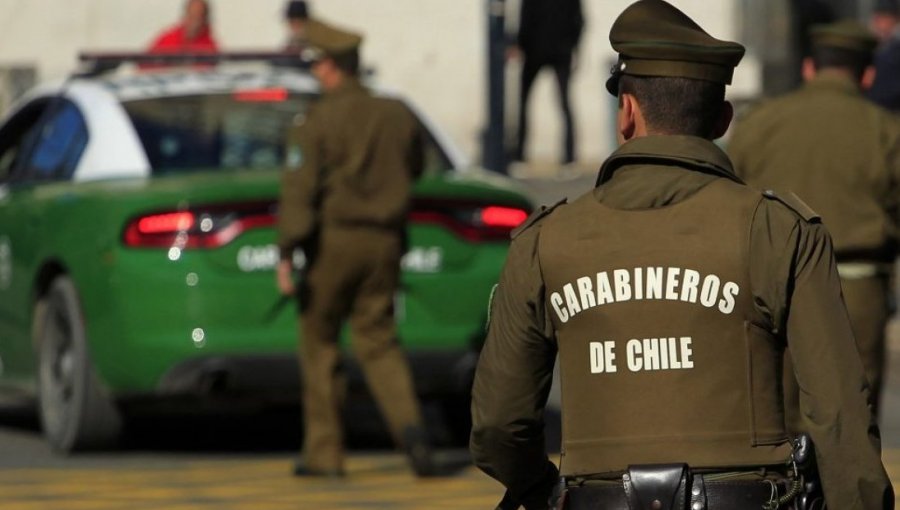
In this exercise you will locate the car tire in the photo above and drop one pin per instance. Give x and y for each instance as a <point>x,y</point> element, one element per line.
<point>76,411</point>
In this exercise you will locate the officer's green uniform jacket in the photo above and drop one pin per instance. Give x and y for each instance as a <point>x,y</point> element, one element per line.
<point>730,414</point>
<point>841,154</point>
<point>352,162</point>
<point>838,151</point>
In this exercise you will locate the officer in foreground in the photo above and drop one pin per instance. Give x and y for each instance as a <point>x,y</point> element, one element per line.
<point>670,292</point>
<point>344,200</point>
<point>840,154</point>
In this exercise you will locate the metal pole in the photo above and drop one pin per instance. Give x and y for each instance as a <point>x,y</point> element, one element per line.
<point>493,149</point>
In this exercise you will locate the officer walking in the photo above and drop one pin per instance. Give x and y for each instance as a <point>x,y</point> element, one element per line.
<point>841,155</point>
<point>344,200</point>
<point>670,292</point>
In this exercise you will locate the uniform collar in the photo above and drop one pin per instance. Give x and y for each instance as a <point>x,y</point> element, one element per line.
<point>351,85</point>
<point>691,152</point>
<point>833,81</point>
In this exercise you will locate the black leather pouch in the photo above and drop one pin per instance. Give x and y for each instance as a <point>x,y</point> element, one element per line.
<point>657,486</point>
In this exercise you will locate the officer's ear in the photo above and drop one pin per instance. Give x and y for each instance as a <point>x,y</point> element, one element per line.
<point>726,115</point>
<point>868,78</point>
<point>808,69</point>
<point>630,119</point>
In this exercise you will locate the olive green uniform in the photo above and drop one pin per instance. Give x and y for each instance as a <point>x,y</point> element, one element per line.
<point>739,274</point>
<point>840,154</point>
<point>345,195</point>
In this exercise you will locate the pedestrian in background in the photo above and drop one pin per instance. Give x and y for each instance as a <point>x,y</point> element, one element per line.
<point>548,36</point>
<point>296,16</point>
<point>669,293</point>
<point>885,21</point>
<point>344,198</point>
<point>841,154</point>
<point>190,35</point>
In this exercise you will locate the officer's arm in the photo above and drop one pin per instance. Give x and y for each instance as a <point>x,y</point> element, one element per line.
<point>892,163</point>
<point>833,390</point>
<point>513,380</point>
<point>417,150</point>
<point>299,188</point>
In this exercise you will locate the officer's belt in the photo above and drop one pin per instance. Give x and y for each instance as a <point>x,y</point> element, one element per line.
<point>862,270</point>
<point>707,492</point>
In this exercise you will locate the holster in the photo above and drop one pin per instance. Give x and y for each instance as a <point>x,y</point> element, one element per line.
<point>811,496</point>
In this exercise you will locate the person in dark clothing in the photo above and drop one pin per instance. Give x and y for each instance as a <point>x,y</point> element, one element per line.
<point>296,16</point>
<point>549,31</point>
<point>885,89</point>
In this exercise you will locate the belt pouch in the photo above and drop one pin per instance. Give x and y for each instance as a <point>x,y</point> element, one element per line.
<point>657,486</point>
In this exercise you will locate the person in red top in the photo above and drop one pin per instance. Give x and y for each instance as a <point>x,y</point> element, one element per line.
<point>191,34</point>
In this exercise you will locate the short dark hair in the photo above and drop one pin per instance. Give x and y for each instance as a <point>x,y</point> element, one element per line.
<point>676,106</point>
<point>347,62</point>
<point>855,62</point>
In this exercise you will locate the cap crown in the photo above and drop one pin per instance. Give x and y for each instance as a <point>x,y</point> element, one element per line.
<point>654,38</point>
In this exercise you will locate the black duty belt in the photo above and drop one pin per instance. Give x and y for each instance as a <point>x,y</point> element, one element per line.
<point>667,489</point>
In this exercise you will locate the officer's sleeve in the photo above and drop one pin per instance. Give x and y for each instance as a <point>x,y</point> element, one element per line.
<point>417,150</point>
<point>300,184</point>
<point>513,379</point>
<point>891,139</point>
<point>795,278</point>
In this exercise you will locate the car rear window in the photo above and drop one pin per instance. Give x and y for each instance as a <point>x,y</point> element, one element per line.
<point>242,130</point>
<point>203,132</point>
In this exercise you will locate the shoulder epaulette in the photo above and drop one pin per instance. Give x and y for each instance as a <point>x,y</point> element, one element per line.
<point>535,217</point>
<point>794,203</point>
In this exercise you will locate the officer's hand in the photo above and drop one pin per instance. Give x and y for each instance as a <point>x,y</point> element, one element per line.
<point>284,277</point>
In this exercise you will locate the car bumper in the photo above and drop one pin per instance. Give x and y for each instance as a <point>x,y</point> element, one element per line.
<point>276,378</point>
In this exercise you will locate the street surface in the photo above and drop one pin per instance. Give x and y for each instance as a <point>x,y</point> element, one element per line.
<point>243,462</point>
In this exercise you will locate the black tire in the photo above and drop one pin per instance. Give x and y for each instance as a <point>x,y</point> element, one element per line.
<point>76,411</point>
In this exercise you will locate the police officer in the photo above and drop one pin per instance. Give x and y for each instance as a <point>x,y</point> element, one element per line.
<point>669,293</point>
<point>344,199</point>
<point>841,155</point>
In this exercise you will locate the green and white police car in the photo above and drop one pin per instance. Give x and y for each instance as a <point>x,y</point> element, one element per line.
<point>137,215</point>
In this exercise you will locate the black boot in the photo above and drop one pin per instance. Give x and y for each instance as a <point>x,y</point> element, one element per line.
<point>419,451</point>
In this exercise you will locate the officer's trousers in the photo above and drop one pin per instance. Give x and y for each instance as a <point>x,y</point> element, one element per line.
<point>867,302</point>
<point>354,276</point>
<point>868,307</point>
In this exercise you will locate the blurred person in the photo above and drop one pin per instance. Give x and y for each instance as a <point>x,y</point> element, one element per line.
<point>884,20</point>
<point>885,89</point>
<point>296,16</point>
<point>841,154</point>
<point>672,243</point>
<point>548,36</point>
<point>190,35</point>
<point>345,195</point>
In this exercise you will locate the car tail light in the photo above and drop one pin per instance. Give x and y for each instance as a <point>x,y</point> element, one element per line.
<point>200,227</point>
<point>472,221</point>
<point>167,222</point>
<point>499,217</point>
<point>273,95</point>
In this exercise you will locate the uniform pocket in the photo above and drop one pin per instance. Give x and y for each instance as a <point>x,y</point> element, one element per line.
<point>765,360</point>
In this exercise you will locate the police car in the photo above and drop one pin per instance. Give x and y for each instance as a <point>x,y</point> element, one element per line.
<point>137,245</point>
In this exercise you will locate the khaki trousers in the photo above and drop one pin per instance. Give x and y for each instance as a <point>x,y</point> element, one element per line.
<point>354,276</point>
<point>867,302</point>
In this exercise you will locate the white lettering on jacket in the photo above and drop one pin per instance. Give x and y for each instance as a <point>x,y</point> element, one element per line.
<point>643,284</point>
<point>643,355</point>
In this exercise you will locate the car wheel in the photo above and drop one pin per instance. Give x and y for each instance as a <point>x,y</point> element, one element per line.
<point>76,412</point>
